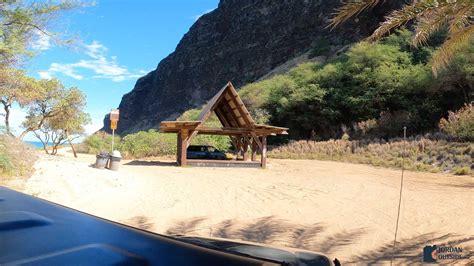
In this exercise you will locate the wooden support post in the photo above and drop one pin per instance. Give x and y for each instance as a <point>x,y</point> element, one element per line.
<point>254,149</point>
<point>245,148</point>
<point>183,146</point>
<point>178,148</point>
<point>264,152</point>
<point>240,147</point>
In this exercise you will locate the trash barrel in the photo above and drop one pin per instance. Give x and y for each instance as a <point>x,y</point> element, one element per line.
<point>101,160</point>
<point>115,160</point>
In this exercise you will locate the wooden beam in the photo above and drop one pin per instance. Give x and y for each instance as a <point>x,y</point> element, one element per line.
<point>178,149</point>
<point>243,114</point>
<point>235,131</point>
<point>245,148</point>
<point>213,103</point>
<point>264,152</point>
<point>257,140</point>
<point>254,150</point>
<point>226,109</point>
<point>183,147</point>
<point>238,148</point>
<point>190,137</point>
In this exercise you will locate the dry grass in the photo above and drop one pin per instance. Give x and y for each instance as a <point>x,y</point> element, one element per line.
<point>421,154</point>
<point>16,159</point>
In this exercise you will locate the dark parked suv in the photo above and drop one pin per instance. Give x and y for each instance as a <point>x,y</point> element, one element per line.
<point>205,152</point>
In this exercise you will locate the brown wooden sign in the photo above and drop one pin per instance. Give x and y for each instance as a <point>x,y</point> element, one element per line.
<point>114,115</point>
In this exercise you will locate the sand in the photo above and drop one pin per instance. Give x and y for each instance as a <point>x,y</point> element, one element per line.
<point>345,210</point>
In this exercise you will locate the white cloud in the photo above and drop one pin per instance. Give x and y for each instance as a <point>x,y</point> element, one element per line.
<point>42,42</point>
<point>196,17</point>
<point>45,75</point>
<point>98,62</point>
<point>67,70</point>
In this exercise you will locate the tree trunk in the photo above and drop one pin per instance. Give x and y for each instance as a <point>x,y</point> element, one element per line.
<point>7,119</point>
<point>45,144</point>
<point>70,143</point>
<point>6,107</point>
<point>45,147</point>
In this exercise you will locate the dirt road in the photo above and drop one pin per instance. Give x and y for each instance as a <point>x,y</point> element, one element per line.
<point>344,210</point>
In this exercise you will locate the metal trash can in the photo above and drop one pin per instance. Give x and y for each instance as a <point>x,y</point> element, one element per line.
<point>101,160</point>
<point>115,160</point>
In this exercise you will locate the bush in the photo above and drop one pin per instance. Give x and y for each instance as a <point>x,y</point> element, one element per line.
<point>99,142</point>
<point>421,154</point>
<point>462,170</point>
<point>460,124</point>
<point>16,158</point>
<point>147,143</point>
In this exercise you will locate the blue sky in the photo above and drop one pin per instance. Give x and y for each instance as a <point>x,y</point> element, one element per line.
<point>117,42</point>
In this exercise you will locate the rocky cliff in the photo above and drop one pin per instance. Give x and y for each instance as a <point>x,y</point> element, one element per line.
<point>240,41</point>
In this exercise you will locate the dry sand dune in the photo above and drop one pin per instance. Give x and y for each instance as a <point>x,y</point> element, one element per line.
<point>345,210</point>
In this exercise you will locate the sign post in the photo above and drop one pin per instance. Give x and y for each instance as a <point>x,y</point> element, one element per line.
<point>114,117</point>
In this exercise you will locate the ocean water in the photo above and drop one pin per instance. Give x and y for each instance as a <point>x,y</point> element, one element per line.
<point>36,144</point>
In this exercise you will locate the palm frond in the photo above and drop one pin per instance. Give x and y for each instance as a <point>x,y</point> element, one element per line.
<point>402,16</point>
<point>427,26</point>
<point>454,43</point>
<point>350,9</point>
<point>461,15</point>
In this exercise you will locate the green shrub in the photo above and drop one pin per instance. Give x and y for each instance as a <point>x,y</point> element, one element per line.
<point>345,136</point>
<point>462,170</point>
<point>100,142</point>
<point>148,143</point>
<point>460,124</point>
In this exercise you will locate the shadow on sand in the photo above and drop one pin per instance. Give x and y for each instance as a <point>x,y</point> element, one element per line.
<point>141,222</point>
<point>150,163</point>
<point>269,230</point>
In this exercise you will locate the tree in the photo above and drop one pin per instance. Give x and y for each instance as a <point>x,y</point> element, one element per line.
<point>56,114</point>
<point>14,87</point>
<point>430,17</point>
<point>21,21</point>
<point>66,127</point>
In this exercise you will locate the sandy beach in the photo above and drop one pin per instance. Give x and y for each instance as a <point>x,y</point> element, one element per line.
<point>345,210</point>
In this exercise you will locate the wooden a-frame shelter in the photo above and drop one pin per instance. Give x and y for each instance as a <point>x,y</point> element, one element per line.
<point>237,124</point>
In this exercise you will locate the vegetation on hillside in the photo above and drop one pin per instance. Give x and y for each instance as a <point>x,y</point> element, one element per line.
<point>430,17</point>
<point>387,84</point>
<point>421,154</point>
<point>460,124</point>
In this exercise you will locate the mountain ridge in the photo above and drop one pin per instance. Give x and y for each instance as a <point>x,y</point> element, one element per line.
<point>240,41</point>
